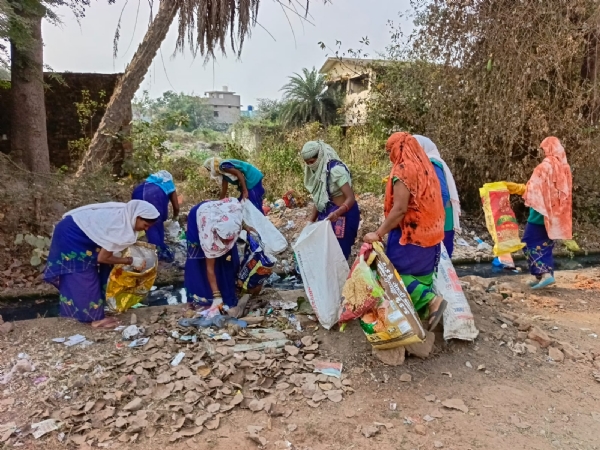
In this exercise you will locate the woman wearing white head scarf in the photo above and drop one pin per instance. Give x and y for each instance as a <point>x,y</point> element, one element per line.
<point>212,260</point>
<point>449,191</point>
<point>329,181</point>
<point>159,190</point>
<point>82,250</point>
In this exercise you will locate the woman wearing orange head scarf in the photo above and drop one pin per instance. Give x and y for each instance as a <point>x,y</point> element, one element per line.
<point>548,195</point>
<point>414,219</point>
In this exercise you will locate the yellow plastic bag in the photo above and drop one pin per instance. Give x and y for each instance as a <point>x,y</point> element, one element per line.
<point>500,218</point>
<point>127,288</point>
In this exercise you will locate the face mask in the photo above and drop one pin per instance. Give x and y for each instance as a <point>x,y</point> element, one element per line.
<point>314,166</point>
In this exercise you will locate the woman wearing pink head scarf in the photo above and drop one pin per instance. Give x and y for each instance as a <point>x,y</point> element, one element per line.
<point>548,195</point>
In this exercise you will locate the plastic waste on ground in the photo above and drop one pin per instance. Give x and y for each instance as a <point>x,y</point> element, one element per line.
<point>460,241</point>
<point>178,358</point>
<point>130,332</point>
<point>172,230</point>
<point>482,245</point>
<point>329,368</point>
<point>218,321</point>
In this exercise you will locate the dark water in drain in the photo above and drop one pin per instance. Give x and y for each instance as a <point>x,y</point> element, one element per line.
<point>14,310</point>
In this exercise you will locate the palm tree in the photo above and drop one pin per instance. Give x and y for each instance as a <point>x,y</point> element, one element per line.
<point>308,98</point>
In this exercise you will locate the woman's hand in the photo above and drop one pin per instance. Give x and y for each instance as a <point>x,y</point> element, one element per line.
<point>245,194</point>
<point>372,237</point>
<point>515,188</point>
<point>249,229</point>
<point>138,263</point>
<point>334,216</point>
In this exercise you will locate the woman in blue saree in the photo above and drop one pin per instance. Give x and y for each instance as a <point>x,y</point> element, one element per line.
<point>82,253</point>
<point>158,190</point>
<point>242,174</point>
<point>329,181</point>
<point>449,192</point>
<point>212,258</point>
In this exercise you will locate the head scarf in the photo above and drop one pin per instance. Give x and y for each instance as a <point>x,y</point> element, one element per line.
<point>423,223</point>
<point>213,166</point>
<point>111,225</point>
<point>549,190</point>
<point>315,175</point>
<point>219,226</point>
<point>432,152</point>
<point>164,180</point>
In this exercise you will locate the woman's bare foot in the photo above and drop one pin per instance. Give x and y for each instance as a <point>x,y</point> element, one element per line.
<point>107,322</point>
<point>238,310</point>
<point>436,311</point>
<point>434,304</point>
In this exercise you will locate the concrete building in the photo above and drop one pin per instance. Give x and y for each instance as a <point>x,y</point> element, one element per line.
<point>226,106</point>
<point>356,77</point>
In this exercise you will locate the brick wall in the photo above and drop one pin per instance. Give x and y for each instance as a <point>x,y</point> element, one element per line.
<point>62,91</point>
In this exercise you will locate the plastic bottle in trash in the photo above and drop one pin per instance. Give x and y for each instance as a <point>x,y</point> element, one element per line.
<point>482,245</point>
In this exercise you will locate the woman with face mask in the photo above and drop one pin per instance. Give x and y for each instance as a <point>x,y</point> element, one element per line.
<point>329,182</point>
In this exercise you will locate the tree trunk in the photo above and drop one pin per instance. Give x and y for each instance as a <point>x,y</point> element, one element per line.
<point>116,111</point>
<point>28,135</point>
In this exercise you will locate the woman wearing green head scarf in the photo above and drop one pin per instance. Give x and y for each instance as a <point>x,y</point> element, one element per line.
<point>329,181</point>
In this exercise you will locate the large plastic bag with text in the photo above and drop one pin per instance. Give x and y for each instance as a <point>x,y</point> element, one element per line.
<point>393,321</point>
<point>459,322</point>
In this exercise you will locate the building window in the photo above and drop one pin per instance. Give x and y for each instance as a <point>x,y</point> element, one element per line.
<point>216,113</point>
<point>220,95</point>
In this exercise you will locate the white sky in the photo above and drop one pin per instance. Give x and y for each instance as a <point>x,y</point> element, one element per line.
<point>264,66</point>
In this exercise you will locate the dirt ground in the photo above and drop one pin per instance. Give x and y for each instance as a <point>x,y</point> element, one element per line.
<point>514,395</point>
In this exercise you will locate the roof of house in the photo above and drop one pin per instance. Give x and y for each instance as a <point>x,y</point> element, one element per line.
<point>330,62</point>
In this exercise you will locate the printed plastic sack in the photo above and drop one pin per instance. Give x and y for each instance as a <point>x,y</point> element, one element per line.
<point>256,266</point>
<point>361,291</point>
<point>274,241</point>
<point>458,319</point>
<point>500,218</point>
<point>126,287</point>
<point>393,322</point>
<point>323,269</point>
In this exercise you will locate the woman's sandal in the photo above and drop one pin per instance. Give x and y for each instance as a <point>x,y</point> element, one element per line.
<point>544,283</point>
<point>437,315</point>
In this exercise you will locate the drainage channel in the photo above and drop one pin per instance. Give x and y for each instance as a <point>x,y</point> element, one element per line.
<point>31,308</point>
<point>48,306</point>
